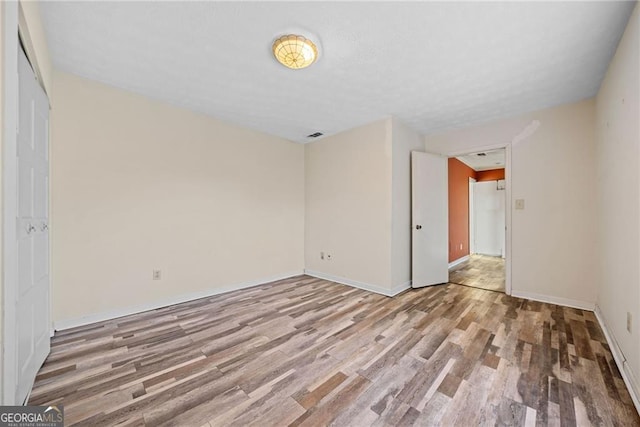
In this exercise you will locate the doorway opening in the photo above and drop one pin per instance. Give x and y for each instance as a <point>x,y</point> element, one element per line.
<point>477,219</point>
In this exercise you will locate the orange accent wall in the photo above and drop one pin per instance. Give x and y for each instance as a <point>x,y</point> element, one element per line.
<point>490,175</point>
<point>459,175</point>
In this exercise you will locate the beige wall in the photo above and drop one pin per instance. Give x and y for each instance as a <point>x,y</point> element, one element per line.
<point>33,35</point>
<point>358,205</point>
<point>138,185</point>
<point>348,205</point>
<point>618,155</point>
<point>553,158</point>
<point>404,140</point>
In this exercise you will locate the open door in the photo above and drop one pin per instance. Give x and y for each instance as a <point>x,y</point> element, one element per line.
<point>32,321</point>
<point>429,205</point>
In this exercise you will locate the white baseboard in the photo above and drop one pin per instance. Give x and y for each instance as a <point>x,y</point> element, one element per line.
<point>458,261</point>
<point>567,302</point>
<point>500,255</point>
<point>401,287</point>
<point>361,285</point>
<point>624,368</point>
<point>60,325</point>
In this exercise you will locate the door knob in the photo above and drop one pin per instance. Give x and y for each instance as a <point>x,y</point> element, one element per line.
<point>418,227</point>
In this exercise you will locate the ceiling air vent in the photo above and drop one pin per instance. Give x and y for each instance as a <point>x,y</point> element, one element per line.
<point>314,135</point>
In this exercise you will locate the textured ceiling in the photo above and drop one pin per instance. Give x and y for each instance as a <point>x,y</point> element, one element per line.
<point>435,66</point>
<point>494,159</point>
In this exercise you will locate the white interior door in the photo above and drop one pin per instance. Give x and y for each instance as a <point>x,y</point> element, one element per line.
<point>430,235</point>
<point>32,296</point>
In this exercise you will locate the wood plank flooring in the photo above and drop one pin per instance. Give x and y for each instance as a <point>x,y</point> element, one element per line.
<point>480,271</point>
<point>308,352</point>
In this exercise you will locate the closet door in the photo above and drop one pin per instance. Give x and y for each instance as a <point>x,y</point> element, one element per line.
<point>32,305</point>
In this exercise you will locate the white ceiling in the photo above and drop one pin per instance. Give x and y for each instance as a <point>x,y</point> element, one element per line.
<point>485,160</point>
<point>435,66</point>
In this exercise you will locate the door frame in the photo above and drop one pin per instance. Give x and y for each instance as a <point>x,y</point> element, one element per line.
<point>472,218</point>
<point>508,202</point>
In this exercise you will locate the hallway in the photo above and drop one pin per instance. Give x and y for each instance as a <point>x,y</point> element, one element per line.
<point>480,271</point>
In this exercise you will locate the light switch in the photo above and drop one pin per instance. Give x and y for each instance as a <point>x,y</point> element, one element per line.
<point>520,204</point>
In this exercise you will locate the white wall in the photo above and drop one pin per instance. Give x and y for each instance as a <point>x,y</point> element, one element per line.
<point>139,185</point>
<point>553,159</point>
<point>404,140</point>
<point>618,187</point>
<point>348,205</point>
<point>489,215</point>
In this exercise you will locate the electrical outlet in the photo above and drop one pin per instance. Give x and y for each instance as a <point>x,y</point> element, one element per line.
<point>321,255</point>
<point>629,322</point>
<point>157,274</point>
<point>520,204</point>
<point>329,257</point>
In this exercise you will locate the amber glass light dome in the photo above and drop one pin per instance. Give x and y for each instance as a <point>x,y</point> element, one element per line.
<point>294,51</point>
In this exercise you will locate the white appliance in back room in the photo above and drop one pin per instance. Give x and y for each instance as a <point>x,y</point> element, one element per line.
<point>489,215</point>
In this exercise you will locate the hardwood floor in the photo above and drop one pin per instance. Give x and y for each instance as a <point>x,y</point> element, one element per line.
<point>480,271</point>
<point>309,352</point>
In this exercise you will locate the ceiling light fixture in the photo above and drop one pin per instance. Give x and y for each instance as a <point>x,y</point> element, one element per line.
<point>294,51</point>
